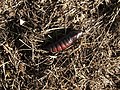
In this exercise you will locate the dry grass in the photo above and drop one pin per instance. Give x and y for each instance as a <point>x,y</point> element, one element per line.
<point>92,63</point>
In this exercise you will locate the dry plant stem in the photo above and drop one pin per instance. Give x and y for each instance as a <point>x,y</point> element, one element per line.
<point>91,63</point>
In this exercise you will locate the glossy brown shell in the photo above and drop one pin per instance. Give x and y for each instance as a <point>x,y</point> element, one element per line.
<point>64,43</point>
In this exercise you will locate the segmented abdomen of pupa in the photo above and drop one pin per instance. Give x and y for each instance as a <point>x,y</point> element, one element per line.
<point>64,43</point>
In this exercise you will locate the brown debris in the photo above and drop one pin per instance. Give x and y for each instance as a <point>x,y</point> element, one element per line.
<point>92,63</point>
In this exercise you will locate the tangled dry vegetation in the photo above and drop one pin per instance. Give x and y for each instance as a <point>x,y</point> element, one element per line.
<point>91,63</point>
